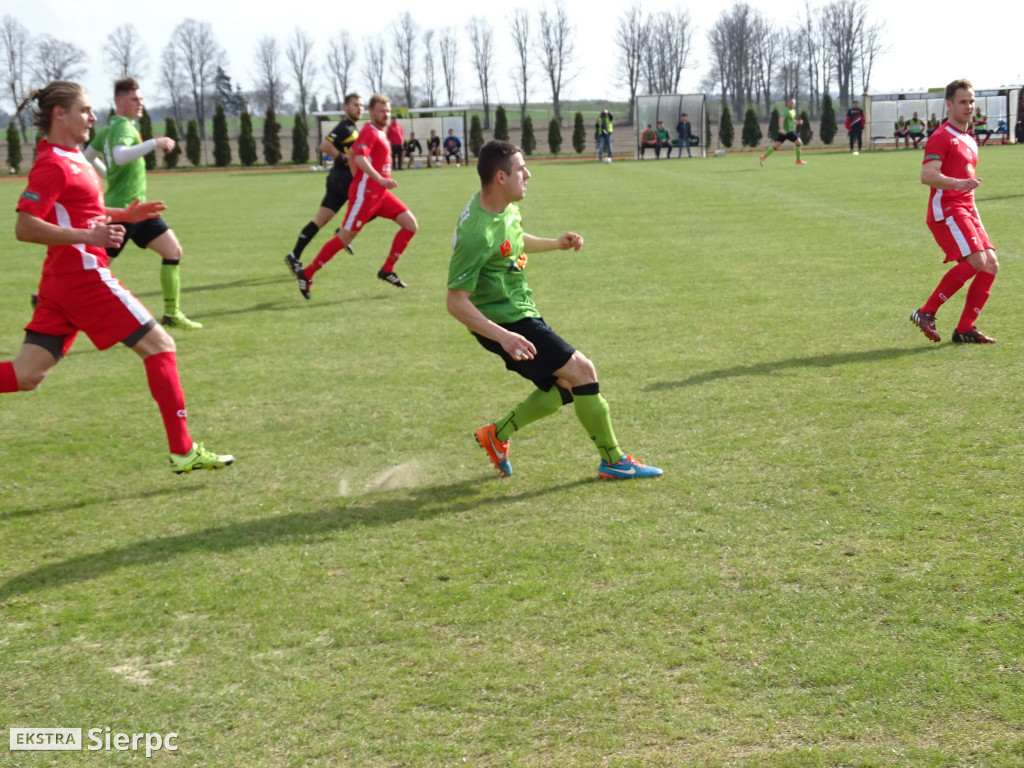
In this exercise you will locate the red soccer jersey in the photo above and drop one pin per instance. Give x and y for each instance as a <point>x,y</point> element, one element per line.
<point>372,143</point>
<point>958,153</point>
<point>64,189</point>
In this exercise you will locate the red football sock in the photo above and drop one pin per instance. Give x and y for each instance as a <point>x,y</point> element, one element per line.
<point>331,247</point>
<point>398,245</point>
<point>977,295</point>
<point>162,374</point>
<point>8,379</point>
<point>950,283</point>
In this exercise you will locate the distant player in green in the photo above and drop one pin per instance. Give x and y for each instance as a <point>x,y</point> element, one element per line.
<point>788,133</point>
<point>123,150</point>
<point>487,292</point>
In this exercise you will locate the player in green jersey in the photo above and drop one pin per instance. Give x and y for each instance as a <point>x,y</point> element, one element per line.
<point>788,133</point>
<point>488,293</point>
<point>123,152</point>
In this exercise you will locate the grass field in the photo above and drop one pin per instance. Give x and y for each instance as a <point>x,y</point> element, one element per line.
<point>828,574</point>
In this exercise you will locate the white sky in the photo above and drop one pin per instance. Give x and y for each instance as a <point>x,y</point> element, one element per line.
<point>926,47</point>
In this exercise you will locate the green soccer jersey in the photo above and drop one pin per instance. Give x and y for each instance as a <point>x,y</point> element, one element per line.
<point>124,182</point>
<point>489,262</point>
<point>789,121</point>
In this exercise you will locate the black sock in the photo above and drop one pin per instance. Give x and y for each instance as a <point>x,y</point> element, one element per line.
<point>308,233</point>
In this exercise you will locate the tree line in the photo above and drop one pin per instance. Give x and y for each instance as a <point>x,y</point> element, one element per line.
<point>416,66</point>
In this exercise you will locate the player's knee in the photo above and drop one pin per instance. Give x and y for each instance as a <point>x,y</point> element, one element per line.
<point>30,379</point>
<point>991,262</point>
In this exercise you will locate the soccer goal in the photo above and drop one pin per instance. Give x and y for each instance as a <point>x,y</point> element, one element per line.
<point>416,123</point>
<point>667,108</point>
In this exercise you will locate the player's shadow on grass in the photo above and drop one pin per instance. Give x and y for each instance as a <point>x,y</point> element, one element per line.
<point>775,366</point>
<point>106,499</point>
<point>362,511</point>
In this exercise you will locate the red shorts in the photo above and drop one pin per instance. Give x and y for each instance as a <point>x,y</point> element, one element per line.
<point>960,235</point>
<point>93,301</point>
<point>363,208</point>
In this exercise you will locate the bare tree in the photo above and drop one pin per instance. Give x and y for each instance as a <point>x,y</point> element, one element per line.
<point>268,71</point>
<point>405,33</point>
<point>843,23</point>
<point>731,40</point>
<point>173,81</point>
<point>520,23</point>
<point>812,55</point>
<point>300,56</point>
<point>767,52</point>
<point>374,72</point>
<point>429,70</point>
<point>556,51</point>
<point>449,45</point>
<point>200,56</point>
<point>481,36</point>
<point>126,55</point>
<point>15,47</point>
<point>341,55</point>
<point>871,47</point>
<point>665,49</point>
<point>57,60</point>
<point>791,64</point>
<point>633,35</point>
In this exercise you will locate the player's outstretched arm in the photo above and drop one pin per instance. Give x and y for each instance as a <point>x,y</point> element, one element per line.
<point>569,240</point>
<point>137,211</point>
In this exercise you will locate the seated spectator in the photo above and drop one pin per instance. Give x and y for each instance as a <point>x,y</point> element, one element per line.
<point>915,129</point>
<point>980,125</point>
<point>433,149</point>
<point>901,131</point>
<point>412,147</point>
<point>452,148</point>
<point>664,142</point>
<point>933,124</point>
<point>648,139</point>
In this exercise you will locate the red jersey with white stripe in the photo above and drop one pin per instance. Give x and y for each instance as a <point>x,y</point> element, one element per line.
<point>958,153</point>
<point>372,143</point>
<point>64,189</point>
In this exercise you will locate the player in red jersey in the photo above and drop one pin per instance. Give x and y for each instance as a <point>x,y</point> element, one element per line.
<point>62,208</point>
<point>369,196</point>
<point>950,157</point>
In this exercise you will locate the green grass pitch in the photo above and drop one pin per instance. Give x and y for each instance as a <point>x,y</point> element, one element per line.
<point>828,574</point>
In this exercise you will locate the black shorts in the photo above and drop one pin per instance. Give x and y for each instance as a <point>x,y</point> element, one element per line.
<point>781,137</point>
<point>553,352</point>
<point>336,195</point>
<point>142,233</point>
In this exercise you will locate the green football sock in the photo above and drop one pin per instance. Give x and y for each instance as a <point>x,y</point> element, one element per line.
<point>170,282</point>
<point>798,153</point>
<point>594,415</point>
<point>771,148</point>
<point>538,405</point>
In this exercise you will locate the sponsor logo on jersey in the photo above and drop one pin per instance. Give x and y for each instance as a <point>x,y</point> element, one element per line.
<point>28,194</point>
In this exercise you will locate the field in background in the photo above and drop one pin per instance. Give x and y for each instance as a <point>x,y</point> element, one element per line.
<point>827,575</point>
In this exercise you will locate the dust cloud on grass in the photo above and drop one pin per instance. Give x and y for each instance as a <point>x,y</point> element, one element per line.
<point>394,478</point>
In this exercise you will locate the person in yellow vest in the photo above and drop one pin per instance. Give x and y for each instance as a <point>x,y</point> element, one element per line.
<point>915,127</point>
<point>980,125</point>
<point>933,124</point>
<point>901,131</point>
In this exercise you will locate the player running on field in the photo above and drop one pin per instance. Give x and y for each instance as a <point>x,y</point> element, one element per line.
<point>950,159</point>
<point>123,152</point>
<point>336,146</point>
<point>369,196</point>
<point>487,292</point>
<point>63,209</point>
<point>788,133</point>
